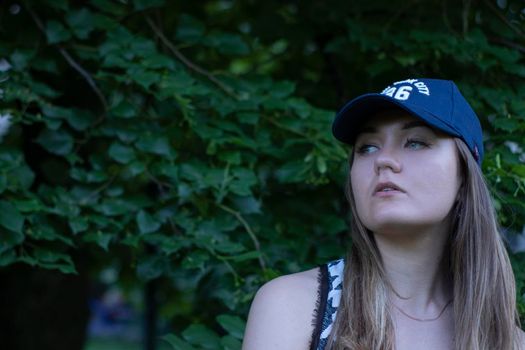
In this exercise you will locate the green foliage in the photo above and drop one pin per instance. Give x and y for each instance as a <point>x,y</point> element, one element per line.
<point>199,337</point>
<point>190,141</point>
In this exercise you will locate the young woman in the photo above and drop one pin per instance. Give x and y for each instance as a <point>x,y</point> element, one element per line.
<point>427,268</point>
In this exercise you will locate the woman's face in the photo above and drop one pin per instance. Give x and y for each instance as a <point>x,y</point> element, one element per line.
<point>405,175</point>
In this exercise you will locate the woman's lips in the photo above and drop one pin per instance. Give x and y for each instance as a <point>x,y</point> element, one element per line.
<point>386,189</point>
<point>387,193</point>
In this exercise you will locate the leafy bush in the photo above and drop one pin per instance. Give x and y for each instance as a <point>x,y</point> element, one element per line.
<point>204,338</point>
<point>190,142</point>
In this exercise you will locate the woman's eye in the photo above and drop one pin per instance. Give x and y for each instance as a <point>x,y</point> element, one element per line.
<point>365,149</point>
<point>415,144</point>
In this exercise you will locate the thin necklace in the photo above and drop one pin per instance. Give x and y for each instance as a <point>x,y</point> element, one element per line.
<point>424,319</point>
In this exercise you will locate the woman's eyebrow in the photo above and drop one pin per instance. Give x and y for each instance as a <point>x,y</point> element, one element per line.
<point>415,124</point>
<point>368,130</point>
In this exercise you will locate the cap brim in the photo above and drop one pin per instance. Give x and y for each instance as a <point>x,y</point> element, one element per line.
<point>349,119</point>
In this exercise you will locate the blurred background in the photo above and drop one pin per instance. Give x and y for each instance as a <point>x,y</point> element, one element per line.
<point>160,160</point>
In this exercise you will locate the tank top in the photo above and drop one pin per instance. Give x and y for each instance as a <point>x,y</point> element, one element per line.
<point>328,298</point>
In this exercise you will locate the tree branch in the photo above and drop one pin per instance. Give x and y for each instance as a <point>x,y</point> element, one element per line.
<point>504,19</point>
<point>444,15</point>
<point>508,43</point>
<point>85,75</point>
<point>74,64</point>
<point>228,90</point>
<point>160,187</point>
<point>248,229</point>
<point>96,191</point>
<point>465,15</point>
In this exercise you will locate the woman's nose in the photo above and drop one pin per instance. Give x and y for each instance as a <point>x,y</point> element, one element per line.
<point>387,159</point>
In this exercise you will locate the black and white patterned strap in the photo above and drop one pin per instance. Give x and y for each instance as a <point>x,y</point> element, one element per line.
<point>330,286</point>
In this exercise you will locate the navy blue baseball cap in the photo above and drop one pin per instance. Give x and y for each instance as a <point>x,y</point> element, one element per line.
<point>437,102</point>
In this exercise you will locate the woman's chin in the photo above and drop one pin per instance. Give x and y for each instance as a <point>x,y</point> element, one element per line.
<point>398,225</point>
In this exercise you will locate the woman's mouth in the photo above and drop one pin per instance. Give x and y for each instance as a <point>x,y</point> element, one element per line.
<point>387,188</point>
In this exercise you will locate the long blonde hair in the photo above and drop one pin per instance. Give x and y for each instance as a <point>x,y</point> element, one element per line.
<point>484,291</point>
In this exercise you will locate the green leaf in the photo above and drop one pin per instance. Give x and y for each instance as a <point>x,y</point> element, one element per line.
<point>28,205</point>
<point>115,206</point>
<point>200,335</point>
<point>176,84</point>
<point>135,168</point>
<point>114,8</point>
<point>104,22</point>
<point>507,124</point>
<point>53,124</point>
<point>20,58</point>
<point>42,89</point>
<point>81,175</point>
<point>27,259</point>
<point>10,239</point>
<point>227,43</point>
<point>126,135</point>
<point>196,260</point>
<point>157,61</point>
<point>52,260</point>
<point>58,142</point>
<point>275,104</point>
<point>59,4</point>
<point>3,183</point>
<point>228,247</point>
<point>291,172</point>
<point>56,32</point>
<point>177,343</point>
<point>46,255</point>
<point>114,191</point>
<point>300,106</point>
<point>170,170</point>
<point>283,89</point>
<point>155,144</point>
<point>124,109</point>
<point>101,239</point>
<point>151,267</point>
<point>120,153</point>
<point>81,22</point>
<point>10,217</point>
<point>230,343</point>
<point>143,77</point>
<point>173,245</point>
<point>321,164</point>
<point>243,180</point>
<point>78,224</point>
<point>140,5</point>
<point>40,229</point>
<point>7,258</point>
<point>63,267</point>
<point>141,47</point>
<point>248,205</point>
<point>46,65</point>
<point>233,325</point>
<point>21,177</point>
<point>250,118</point>
<point>233,158</point>
<point>80,119</point>
<point>55,112</point>
<point>146,222</point>
<point>189,29</point>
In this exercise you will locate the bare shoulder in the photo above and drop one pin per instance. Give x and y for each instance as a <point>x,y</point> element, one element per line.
<point>282,312</point>
<point>296,285</point>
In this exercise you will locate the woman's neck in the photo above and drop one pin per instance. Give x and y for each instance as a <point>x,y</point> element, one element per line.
<point>414,266</point>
